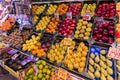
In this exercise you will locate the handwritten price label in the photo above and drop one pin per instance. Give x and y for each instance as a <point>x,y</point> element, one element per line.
<point>87,16</point>
<point>56,15</point>
<point>114,53</point>
<point>35,70</point>
<point>62,73</point>
<point>69,15</point>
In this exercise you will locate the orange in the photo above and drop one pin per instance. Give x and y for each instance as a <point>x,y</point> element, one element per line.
<point>34,52</point>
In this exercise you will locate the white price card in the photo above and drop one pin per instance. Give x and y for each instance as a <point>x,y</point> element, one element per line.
<point>87,16</point>
<point>69,15</point>
<point>35,70</point>
<point>56,15</point>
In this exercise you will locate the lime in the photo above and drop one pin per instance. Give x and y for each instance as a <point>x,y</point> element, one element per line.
<point>35,78</point>
<point>40,76</point>
<point>40,71</point>
<point>46,66</point>
<point>47,77</point>
<point>43,62</point>
<point>29,79</point>
<point>43,79</point>
<point>25,77</point>
<point>40,66</point>
<point>48,71</point>
<point>44,70</point>
<point>38,62</point>
<point>52,69</point>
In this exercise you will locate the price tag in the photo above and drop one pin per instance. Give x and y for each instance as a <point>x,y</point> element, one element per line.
<point>35,70</point>
<point>87,16</point>
<point>99,20</point>
<point>69,15</point>
<point>14,56</point>
<point>62,73</point>
<point>114,53</point>
<point>56,15</point>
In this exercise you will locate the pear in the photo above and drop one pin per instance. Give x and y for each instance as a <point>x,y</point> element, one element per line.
<point>97,59</point>
<point>91,75</point>
<point>91,68</point>
<point>118,67</point>
<point>97,74</point>
<point>109,70</point>
<point>91,61</point>
<point>96,66</point>
<point>118,62</point>
<point>109,77</point>
<point>103,51</point>
<point>118,76</point>
<point>104,71</point>
<point>102,77</point>
<point>92,55</point>
<point>109,63</point>
<point>102,64</point>
<point>102,58</point>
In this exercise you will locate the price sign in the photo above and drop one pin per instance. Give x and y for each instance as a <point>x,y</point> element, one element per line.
<point>35,70</point>
<point>56,15</point>
<point>114,53</point>
<point>1,63</point>
<point>62,73</point>
<point>69,15</point>
<point>87,16</point>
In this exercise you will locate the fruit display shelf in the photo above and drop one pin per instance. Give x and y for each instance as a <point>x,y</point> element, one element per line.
<point>96,67</point>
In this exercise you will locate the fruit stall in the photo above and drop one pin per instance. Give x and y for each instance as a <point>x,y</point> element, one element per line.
<point>67,40</point>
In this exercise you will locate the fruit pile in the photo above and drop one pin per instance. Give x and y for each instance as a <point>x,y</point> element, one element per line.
<point>67,27</point>
<point>75,8</point>
<point>100,66</point>
<point>88,7</point>
<point>44,72</point>
<point>34,46</point>
<point>118,69</point>
<point>62,8</point>
<point>118,32</point>
<point>77,59</point>
<point>106,10</point>
<point>42,24</point>
<point>40,9</point>
<point>34,8</point>
<point>35,19</point>
<point>17,38</point>
<point>83,29</point>
<point>104,32</point>
<point>58,50</point>
<point>51,10</point>
<point>53,25</point>
<point>30,44</point>
<point>7,24</point>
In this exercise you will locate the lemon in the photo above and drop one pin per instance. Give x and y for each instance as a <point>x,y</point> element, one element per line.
<point>40,76</point>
